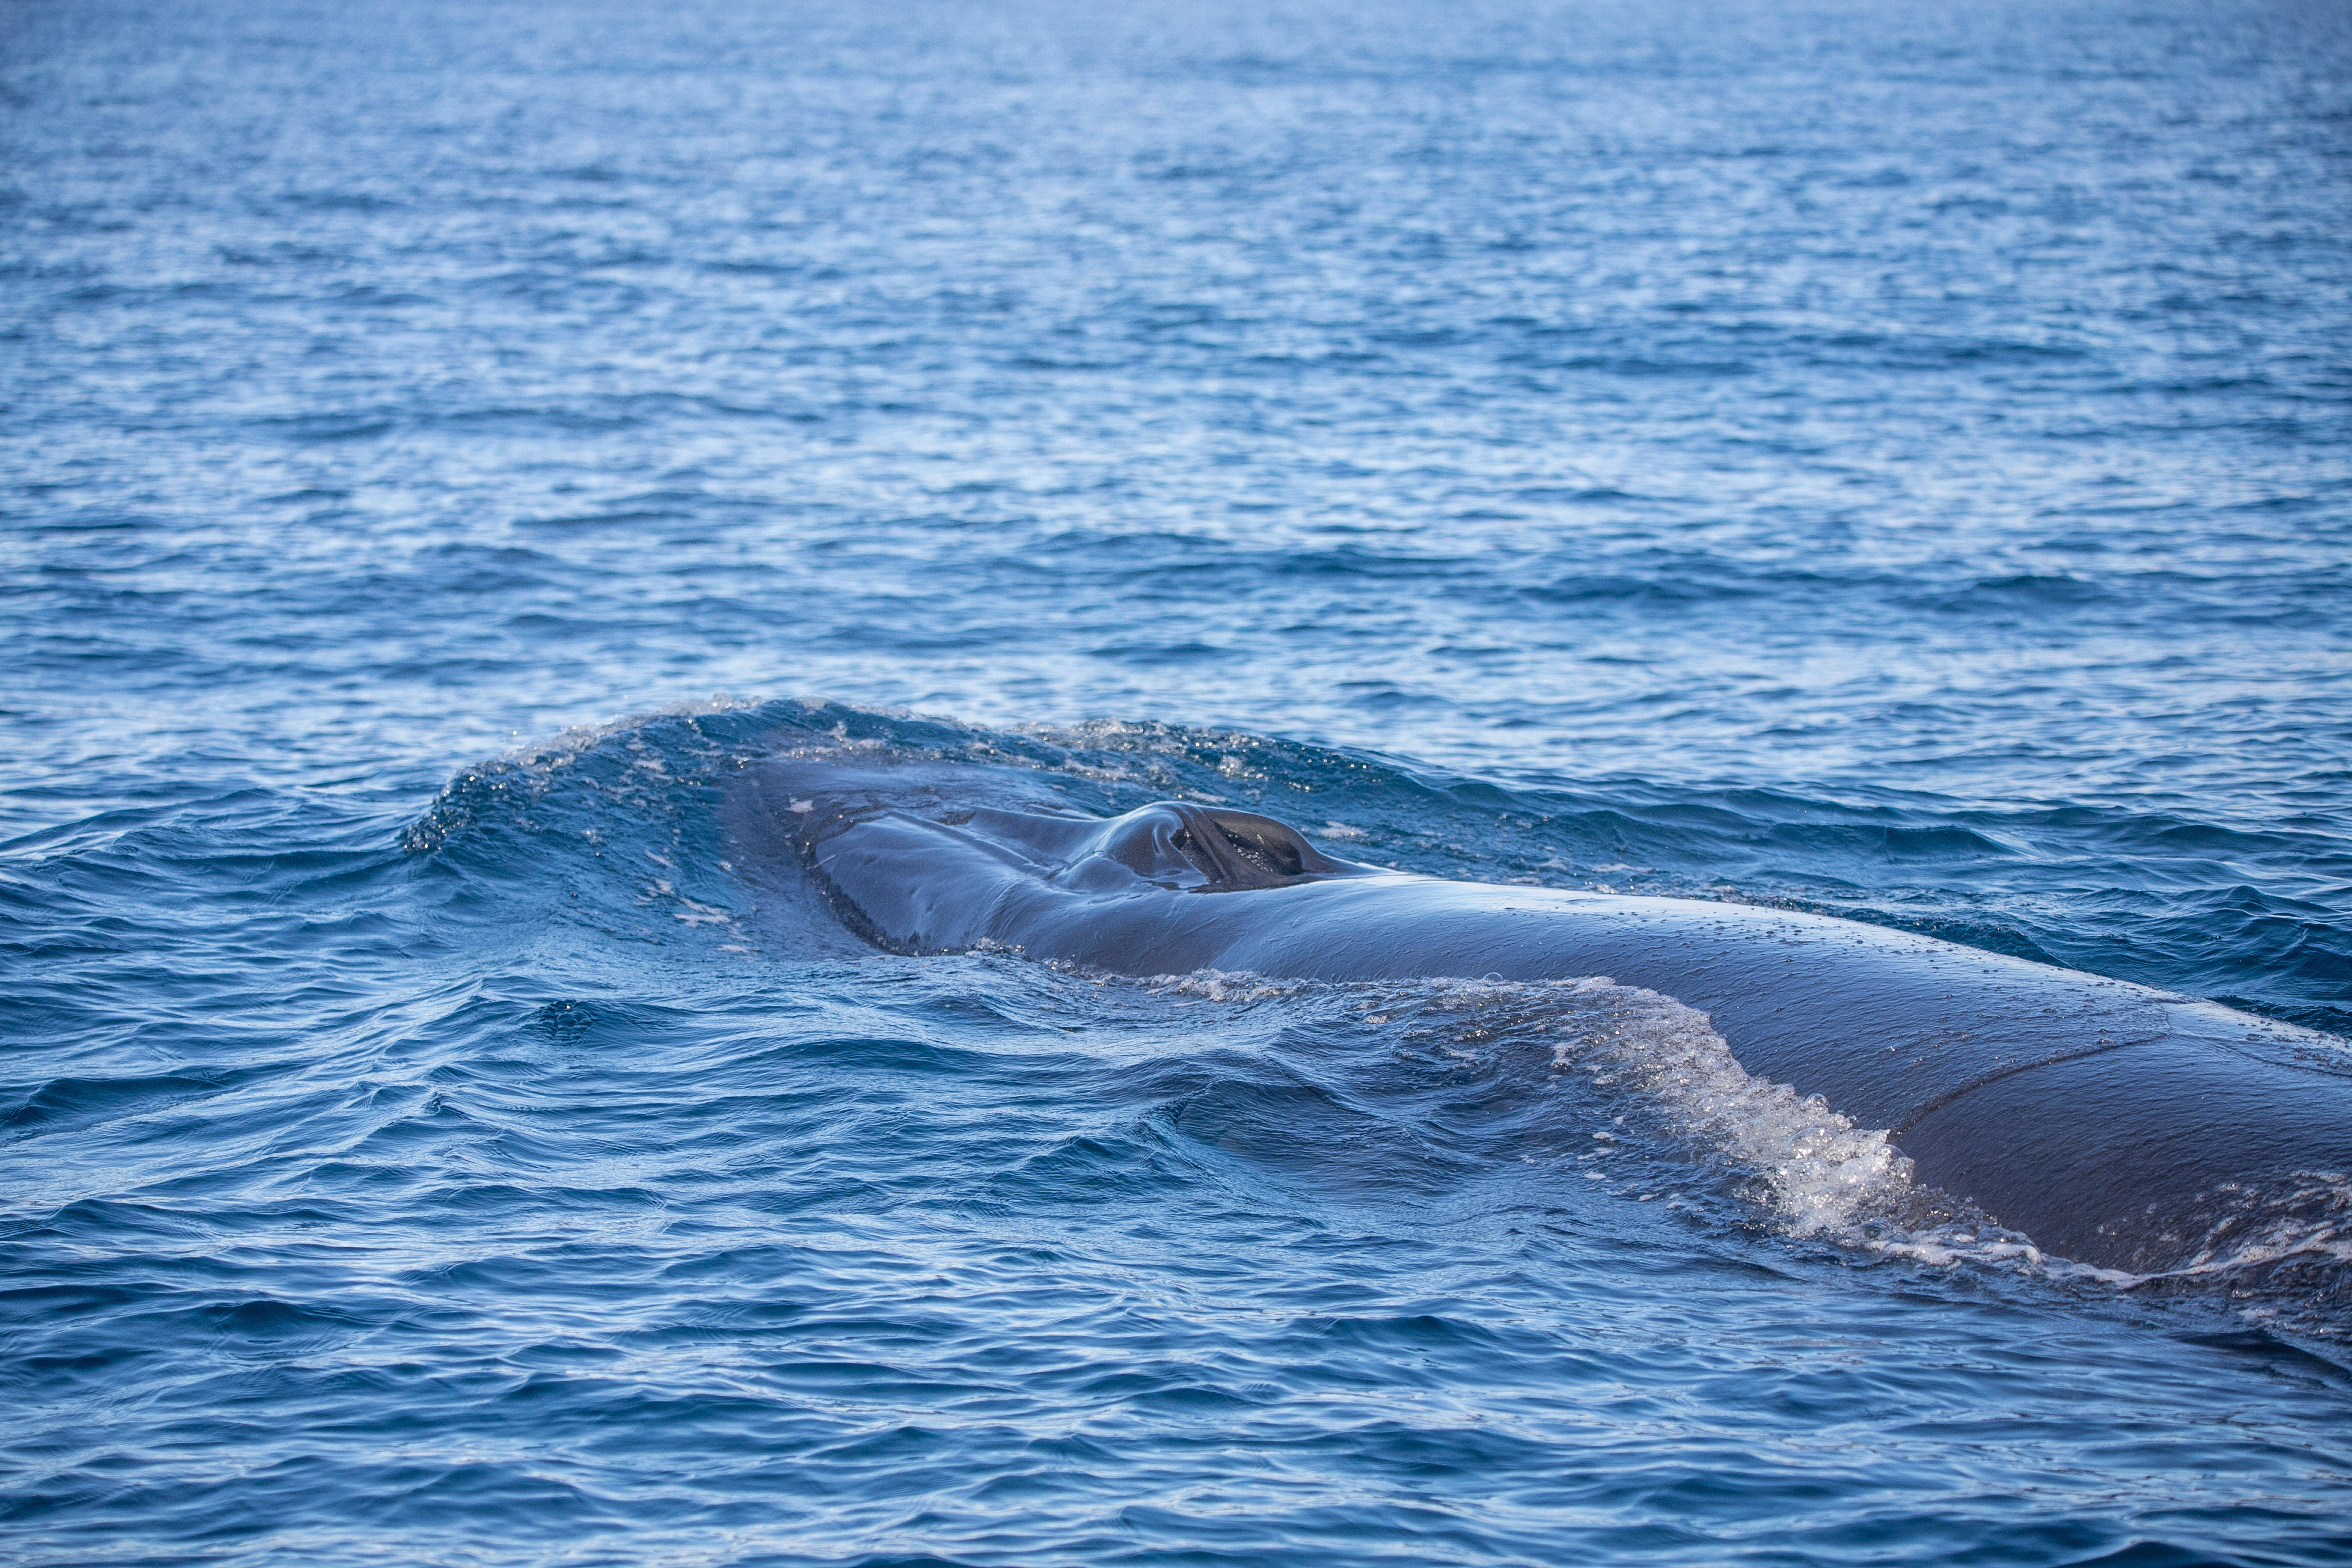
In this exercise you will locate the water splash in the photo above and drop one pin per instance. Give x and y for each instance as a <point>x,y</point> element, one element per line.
<point>2280,1258</point>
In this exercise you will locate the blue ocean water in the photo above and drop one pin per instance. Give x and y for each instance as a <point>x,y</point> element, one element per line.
<point>1894,461</point>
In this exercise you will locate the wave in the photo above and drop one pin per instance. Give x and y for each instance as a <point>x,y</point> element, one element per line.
<point>2260,915</point>
<point>631,818</point>
<point>2284,1256</point>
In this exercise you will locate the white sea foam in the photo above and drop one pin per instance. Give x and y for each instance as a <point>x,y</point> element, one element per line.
<point>562,747</point>
<point>2280,1255</point>
<point>2252,1232</point>
<point>1822,1175</point>
<point>1814,1172</point>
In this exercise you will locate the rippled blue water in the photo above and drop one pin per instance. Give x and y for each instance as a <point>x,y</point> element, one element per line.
<point>1893,459</point>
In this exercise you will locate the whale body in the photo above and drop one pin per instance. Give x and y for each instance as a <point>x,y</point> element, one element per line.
<point>2115,1125</point>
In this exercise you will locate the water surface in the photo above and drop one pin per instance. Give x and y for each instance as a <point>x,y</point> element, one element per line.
<point>1891,460</point>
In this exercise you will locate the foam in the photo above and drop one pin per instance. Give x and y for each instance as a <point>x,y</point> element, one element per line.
<point>2280,1256</point>
<point>2255,1233</point>
<point>1813,1172</point>
<point>564,745</point>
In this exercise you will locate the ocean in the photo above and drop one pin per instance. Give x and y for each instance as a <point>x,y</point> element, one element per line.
<point>1891,461</point>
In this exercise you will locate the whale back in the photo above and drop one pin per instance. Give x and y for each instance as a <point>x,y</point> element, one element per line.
<point>2117,1125</point>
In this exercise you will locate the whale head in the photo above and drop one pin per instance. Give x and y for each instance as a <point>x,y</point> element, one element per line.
<point>918,880</point>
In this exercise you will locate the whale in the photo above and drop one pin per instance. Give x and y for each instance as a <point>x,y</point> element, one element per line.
<point>2117,1125</point>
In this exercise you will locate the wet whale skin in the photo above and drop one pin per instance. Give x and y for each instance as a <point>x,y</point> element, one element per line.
<point>2101,1118</point>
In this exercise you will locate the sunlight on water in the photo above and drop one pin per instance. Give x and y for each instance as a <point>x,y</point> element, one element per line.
<point>1891,461</point>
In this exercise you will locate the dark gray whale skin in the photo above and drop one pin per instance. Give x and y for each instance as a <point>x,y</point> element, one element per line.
<point>2113,1124</point>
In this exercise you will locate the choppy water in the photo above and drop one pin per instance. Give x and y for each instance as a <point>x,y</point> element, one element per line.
<point>1895,460</point>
